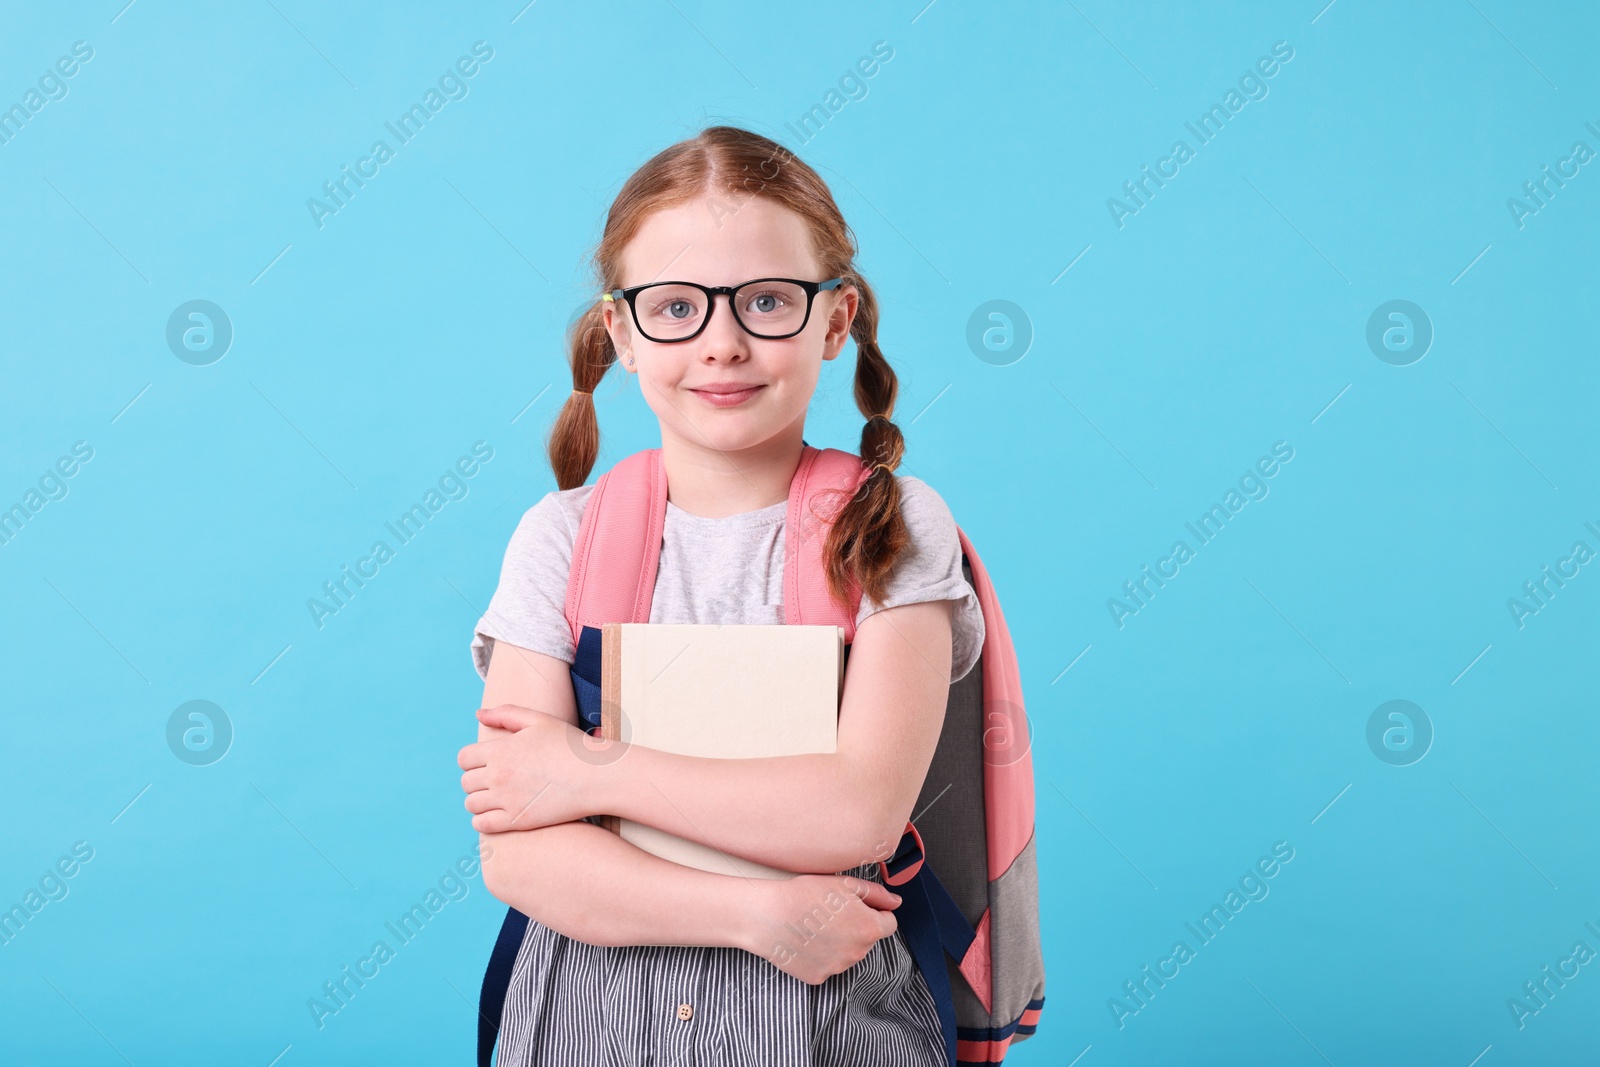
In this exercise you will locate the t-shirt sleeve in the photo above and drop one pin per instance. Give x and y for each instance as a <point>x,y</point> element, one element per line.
<point>930,569</point>
<point>528,608</point>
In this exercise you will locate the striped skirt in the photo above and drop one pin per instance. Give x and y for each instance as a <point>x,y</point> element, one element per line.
<point>572,1003</point>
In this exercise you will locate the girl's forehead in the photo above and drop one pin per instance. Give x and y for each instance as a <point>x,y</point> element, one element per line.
<point>720,240</point>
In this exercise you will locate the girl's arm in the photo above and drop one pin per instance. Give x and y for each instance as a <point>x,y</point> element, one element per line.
<point>588,883</point>
<point>818,812</point>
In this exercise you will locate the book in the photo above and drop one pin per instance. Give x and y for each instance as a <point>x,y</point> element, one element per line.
<point>724,691</point>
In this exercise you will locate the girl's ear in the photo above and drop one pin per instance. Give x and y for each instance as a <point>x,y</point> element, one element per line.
<point>841,315</point>
<point>621,331</point>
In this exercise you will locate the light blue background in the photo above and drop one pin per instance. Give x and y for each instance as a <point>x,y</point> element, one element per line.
<point>1228,314</point>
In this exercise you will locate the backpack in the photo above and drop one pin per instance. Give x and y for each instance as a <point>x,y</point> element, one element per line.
<point>968,875</point>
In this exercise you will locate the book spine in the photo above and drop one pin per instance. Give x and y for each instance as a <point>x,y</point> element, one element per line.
<point>611,681</point>
<point>610,699</point>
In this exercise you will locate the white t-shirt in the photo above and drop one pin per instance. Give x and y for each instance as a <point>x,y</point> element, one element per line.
<point>727,570</point>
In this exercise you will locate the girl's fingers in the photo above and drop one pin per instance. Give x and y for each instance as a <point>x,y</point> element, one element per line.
<point>475,779</point>
<point>471,756</point>
<point>491,822</point>
<point>480,801</point>
<point>878,896</point>
<point>506,716</point>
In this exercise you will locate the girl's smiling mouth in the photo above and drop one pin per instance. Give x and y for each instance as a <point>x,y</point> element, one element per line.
<point>726,394</point>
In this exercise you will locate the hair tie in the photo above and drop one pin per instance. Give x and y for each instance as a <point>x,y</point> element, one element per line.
<point>585,392</point>
<point>885,466</point>
<point>874,416</point>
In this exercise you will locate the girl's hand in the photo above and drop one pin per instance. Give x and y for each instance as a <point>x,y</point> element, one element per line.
<point>531,777</point>
<point>814,926</point>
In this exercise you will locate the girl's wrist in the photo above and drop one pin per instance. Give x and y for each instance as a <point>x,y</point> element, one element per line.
<point>749,908</point>
<point>616,779</point>
<point>596,778</point>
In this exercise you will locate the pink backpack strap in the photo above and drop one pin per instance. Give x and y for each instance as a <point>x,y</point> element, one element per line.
<point>823,483</point>
<point>618,550</point>
<point>1007,751</point>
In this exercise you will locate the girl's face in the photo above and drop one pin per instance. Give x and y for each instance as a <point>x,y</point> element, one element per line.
<point>725,242</point>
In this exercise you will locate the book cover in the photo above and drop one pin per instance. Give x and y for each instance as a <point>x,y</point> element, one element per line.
<point>725,691</point>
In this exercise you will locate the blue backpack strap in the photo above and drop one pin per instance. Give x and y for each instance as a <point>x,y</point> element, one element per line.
<point>497,978</point>
<point>585,673</point>
<point>932,924</point>
<point>492,998</point>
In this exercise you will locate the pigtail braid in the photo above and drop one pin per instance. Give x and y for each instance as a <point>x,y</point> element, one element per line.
<point>574,440</point>
<point>869,532</point>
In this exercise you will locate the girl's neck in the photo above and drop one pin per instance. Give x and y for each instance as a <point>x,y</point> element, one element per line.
<point>713,484</point>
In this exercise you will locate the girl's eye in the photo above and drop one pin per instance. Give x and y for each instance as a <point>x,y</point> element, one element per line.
<point>676,309</point>
<point>766,303</point>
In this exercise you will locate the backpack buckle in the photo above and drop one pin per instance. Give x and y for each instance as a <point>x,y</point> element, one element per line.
<point>904,871</point>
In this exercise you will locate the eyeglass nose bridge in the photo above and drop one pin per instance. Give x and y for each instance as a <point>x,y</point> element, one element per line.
<point>712,292</point>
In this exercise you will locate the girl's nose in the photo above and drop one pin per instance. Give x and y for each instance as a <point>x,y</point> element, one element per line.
<point>723,337</point>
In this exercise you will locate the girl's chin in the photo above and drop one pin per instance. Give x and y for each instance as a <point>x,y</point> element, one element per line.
<point>729,434</point>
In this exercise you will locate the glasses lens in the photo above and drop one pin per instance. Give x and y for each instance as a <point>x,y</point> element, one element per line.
<point>769,308</point>
<point>669,312</point>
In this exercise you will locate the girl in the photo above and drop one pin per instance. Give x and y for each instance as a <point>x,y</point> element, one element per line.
<point>628,958</point>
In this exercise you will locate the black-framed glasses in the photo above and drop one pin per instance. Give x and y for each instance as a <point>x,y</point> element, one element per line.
<point>769,308</point>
